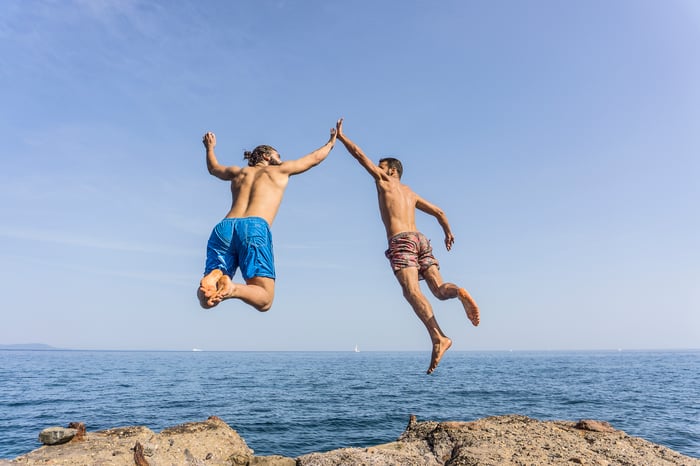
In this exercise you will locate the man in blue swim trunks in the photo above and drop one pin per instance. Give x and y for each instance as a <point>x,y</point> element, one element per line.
<point>410,253</point>
<point>243,238</point>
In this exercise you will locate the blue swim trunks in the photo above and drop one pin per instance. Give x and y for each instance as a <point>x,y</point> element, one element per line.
<point>244,243</point>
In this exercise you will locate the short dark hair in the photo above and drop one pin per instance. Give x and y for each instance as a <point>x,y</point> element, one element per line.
<point>258,154</point>
<point>393,163</point>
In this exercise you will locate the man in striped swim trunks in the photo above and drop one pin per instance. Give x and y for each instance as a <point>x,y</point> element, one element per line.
<point>409,252</point>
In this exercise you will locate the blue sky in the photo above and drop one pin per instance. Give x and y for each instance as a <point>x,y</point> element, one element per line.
<point>561,138</point>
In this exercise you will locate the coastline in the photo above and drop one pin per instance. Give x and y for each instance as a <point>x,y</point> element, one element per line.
<point>504,440</point>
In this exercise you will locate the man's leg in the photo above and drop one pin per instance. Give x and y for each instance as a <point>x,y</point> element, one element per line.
<point>258,292</point>
<point>408,279</point>
<point>218,258</point>
<point>443,291</point>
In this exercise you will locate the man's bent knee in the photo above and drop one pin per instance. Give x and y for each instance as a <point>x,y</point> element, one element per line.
<point>264,308</point>
<point>262,302</point>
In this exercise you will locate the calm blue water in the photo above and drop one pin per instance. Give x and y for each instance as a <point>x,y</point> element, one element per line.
<point>291,403</point>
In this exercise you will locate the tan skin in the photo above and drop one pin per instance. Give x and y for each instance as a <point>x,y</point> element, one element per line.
<point>397,207</point>
<point>256,192</point>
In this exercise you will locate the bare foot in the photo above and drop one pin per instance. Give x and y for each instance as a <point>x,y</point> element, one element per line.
<point>469,306</point>
<point>208,288</point>
<point>225,289</point>
<point>439,349</point>
<point>208,284</point>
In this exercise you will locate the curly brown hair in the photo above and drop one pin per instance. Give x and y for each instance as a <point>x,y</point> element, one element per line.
<point>258,154</point>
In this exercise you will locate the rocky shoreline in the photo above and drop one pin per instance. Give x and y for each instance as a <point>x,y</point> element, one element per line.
<point>494,441</point>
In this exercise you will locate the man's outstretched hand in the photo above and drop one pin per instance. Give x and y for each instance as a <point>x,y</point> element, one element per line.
<point>339,129</point>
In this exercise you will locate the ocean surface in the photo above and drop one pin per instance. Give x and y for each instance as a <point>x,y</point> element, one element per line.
<point>291,403</point>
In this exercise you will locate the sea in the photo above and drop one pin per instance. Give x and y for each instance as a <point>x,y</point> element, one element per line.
<point>292,403</point>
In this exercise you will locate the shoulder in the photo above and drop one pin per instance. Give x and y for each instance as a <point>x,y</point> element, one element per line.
<point>410,194</point>
<point>407,189</point>
<point>290,167</point>
<point>243,173</point>
<point>226,173</point>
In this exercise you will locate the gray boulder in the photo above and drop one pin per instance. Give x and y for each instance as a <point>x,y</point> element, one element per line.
<point>56,435</point>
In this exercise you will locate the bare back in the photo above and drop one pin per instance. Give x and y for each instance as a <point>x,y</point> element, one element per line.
<point>257,192</point>
<point>397,205</point>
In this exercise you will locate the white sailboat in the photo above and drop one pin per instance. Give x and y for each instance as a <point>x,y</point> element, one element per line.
<point>357,350</point>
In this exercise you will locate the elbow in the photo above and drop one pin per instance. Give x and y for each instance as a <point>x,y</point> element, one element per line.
<point>214,170</point>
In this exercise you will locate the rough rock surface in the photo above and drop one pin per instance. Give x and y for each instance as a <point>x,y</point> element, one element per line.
<point>492,441</point>
<point>505,441</point>
<point>211,442</point>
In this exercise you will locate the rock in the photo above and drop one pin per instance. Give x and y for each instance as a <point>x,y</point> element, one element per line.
<point>498,440</point>
<point>56,435</point>
<point>390,454</point>
<point>274,460</point>
<point>139,459</point>
<point>594,426</point>
<point>80,430</point>
<point>210,443</point>
<point>505,441</point>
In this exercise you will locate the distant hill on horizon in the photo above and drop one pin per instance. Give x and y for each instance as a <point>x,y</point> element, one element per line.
<point>28,346</point>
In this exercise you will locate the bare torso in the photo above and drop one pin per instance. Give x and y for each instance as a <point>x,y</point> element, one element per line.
<point>397,205</point>
<point>257,192</point>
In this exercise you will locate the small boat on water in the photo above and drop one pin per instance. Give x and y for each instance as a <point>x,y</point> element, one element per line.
<point>357,350</point>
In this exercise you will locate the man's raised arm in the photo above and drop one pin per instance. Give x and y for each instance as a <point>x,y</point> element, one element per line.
<point>300,165</point>
<point>356,152</point>
<point>215,168</point>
